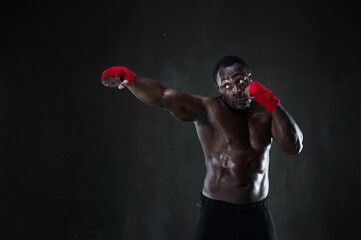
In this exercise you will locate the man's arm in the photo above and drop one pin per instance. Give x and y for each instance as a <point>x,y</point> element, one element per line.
<point>183,106</point>
<point>285,131</point>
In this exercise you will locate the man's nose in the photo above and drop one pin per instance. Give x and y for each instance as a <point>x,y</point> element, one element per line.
<point>236,90</point>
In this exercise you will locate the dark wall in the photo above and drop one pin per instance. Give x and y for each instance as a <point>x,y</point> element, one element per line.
<point>82,161</point>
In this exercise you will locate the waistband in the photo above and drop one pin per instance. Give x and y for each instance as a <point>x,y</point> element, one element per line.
<point>257,206</point>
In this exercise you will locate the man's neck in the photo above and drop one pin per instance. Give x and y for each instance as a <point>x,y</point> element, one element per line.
<point>246,112</point>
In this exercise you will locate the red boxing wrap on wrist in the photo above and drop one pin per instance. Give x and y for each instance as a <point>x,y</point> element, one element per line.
<point>121,72</point>
<point>263,96</point>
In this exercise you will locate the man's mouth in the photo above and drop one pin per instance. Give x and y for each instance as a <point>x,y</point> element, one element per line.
<point>240,100</point>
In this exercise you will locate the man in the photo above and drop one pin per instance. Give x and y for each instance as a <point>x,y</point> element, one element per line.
<point>236,130</point>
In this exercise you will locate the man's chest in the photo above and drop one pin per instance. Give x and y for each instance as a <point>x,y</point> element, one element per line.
<point>243,132</point>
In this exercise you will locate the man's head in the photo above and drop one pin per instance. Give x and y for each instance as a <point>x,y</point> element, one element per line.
<point>232,77</point>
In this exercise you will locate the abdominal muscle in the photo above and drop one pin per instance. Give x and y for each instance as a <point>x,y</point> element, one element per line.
<point>240,177</point>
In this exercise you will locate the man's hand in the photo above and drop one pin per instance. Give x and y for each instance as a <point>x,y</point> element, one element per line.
<point>245,83</point>
<point>246,91</point>
<point>263,96</point>
<point>118,77</point>
<point>111,81</point>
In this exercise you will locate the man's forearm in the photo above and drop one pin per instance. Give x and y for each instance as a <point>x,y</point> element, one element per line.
<point>285,131</point>
<point>147,90</point>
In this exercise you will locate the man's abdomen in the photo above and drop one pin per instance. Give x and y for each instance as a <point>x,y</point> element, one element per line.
<point>237,178</point>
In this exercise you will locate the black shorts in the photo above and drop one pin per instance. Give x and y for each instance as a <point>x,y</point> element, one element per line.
<point>228,221</point>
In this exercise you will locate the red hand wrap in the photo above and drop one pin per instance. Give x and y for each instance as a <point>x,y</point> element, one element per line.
<point>263,96</point>
<point>121,72</point>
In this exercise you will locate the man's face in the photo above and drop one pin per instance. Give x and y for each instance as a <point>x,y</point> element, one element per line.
<point>233,83</point>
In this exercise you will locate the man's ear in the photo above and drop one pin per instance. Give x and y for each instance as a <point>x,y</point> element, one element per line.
<point>217,85</point>
<point>218,88</point>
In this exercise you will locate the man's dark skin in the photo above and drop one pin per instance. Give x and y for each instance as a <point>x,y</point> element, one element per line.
<point>235,131</point>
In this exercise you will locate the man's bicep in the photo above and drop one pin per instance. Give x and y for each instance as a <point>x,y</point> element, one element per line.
<point>183,106</point>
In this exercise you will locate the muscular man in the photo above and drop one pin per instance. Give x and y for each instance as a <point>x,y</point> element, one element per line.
<point>236,130</point>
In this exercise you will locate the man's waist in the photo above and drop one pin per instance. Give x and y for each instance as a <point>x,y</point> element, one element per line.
<point>214,203</point>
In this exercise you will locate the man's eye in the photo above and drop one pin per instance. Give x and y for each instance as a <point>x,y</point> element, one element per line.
<point>226,86</point>
<point>243,82</point>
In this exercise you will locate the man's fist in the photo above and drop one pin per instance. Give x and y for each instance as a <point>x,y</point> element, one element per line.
<point>111,81</point>
<point>118,77</point>
<point>263,96</point>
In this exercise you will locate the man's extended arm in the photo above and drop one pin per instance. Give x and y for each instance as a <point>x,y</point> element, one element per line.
<point>183,106</point>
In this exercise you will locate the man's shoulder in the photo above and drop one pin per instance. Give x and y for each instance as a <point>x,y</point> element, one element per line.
<point>210,104</point>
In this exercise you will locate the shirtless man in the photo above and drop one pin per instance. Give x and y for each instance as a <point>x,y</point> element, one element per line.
<point>236,130</point>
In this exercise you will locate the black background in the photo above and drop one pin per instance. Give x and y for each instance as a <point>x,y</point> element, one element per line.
<point>82,161</point>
